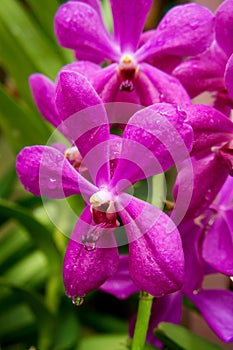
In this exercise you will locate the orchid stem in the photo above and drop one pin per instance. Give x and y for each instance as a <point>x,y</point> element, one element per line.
<point>143,318</point>
<point>157,195</point>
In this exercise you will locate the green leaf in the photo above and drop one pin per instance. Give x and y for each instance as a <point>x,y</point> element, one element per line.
<point>46,19</point>
<point>37,47</point>
<point>44,318</point>
<point>39,233</point>
<point>113,342</point>
<point>6,183</point>
<point>180,338</point>
<point>19,125</point>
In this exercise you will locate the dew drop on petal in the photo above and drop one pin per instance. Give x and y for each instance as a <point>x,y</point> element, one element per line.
<point>78,300</point>
<point>52,184</point>
<point>89,247</point>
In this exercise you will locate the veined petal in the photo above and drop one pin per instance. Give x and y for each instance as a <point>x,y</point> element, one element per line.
<point>188,36</point>
<point>156,260</point>
<point>210,127</point>
<point>45,171</point>
<point>169,88</point>
<point>218,243</point>
<point>43,91</point>
<point>89,69</point>
<point>203,72</point>
<point>86,270</point>
<point>129,18</point>
<point>229,76</point>
<point>78,24</point>
<point>216,307</point>
<point>93,3</point>
<point>194,264</point>
<point>88,127</point>
<point>208,176</point>
<point>146,148</point>
<point>120,285</point>
<point>224,26</point>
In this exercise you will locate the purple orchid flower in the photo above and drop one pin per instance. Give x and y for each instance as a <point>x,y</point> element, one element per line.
<point>155,249</point>
<point>130,75</point>
<point>206,71</point>
<point>211,157</point>
<point>216,306</point>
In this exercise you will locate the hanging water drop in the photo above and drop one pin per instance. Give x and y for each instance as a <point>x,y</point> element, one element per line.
<point>52,184</point>
<point>89,246</point>
<point>78,300</point>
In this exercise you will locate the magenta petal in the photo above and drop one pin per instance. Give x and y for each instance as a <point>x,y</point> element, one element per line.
<point>210,127</point>
<point>85,270</point>
<point>165,309</point>
<point>129,18</point>
<point>188,36</point>
<point>88,128</point>
<point>78,24</point>
<point>194,264</point>
<point>146,148</point>
<point>224,26</point>
<point>45,171</point>
<point>156,261</point>
<point>229,76</point>
<point>169,88</point>
<point>74,93</point>
<point>218,243</point>
<point>120,285</point>
<point>89,69</point>
<point>93,3</point>
<point>208,176</point>
<point>225,196</point>
<point>43,91</point>
<point>203,72</point>
<point>216,307</point>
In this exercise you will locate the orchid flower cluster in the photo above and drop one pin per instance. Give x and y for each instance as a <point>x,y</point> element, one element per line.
<point>144,83</point>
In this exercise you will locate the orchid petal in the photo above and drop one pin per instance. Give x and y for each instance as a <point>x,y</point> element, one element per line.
<point>208,176</point>
<point>89,69</point>
<point>156,261</point>
<point>229,76</point>
<point>188,36</point>
<point>43,91</point>
<point>120,285</point>
<point>146,148</point>
<point>129,18</point>
<point>78,24</point>
<point>224,26</point>
<point>216,307</point>
<point>203,72</point>
<point>85,270</point>
<point>169,88</point>
<point>225,196</point>
<point>45,171</point>
<point>194,264</point>
<point>210,127</point>
<point>89,127</point>
<point>93,3</point>
<point>218,243</point>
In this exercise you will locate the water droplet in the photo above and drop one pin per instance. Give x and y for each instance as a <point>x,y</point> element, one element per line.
<point>78,300</point>
<point>208,195</point>
<point>89,246</point>
<point>52,184</point>
<point>163,25</point>
<point>196,291</point>
<point>161,97</point>
<point>160,42</point>
<point>194,25</point>
<point>59,158</point>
